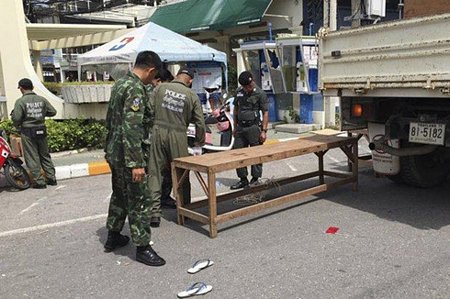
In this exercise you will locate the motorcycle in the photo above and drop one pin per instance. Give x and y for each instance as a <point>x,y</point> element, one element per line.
<point>219,131</point>
<point>15,174</point>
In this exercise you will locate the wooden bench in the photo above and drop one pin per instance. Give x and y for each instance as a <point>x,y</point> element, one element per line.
<point>213,163</point>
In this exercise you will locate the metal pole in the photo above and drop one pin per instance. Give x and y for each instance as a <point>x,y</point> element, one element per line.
<point>333,15</point>
<point>356,13</point>
<point>326,13</point>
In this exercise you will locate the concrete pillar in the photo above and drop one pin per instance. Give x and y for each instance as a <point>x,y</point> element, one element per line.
<point>37,64</point>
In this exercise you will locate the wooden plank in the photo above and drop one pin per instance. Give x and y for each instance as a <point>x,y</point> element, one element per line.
<point>342,175</point>
<point>177,174</point>
<point>254,189</point>
<point>202,183</point>
<point>212,204</point>
<point>281,200</point>
<point>194,215</point>
<point>261,154</point>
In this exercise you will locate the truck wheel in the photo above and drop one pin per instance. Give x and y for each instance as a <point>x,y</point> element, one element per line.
<point>424,171</point>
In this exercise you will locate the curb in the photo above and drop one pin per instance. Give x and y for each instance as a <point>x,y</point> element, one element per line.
<point>82,170</point>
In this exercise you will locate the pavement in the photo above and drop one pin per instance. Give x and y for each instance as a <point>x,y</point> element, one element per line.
<point>84,162</point>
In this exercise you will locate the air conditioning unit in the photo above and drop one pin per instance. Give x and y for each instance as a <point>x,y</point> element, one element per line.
<point>375,7</point>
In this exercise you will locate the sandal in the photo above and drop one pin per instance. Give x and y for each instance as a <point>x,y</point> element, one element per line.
<point>199,265</point>
<point>198,288</point>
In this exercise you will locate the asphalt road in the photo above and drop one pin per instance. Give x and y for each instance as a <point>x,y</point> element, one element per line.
<point>393,242</point>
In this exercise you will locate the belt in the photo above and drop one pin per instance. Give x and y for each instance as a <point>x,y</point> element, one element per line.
<point>247,123</point>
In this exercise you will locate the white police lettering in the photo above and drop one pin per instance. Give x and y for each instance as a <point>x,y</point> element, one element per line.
<point>174,101</point>
<point>34,110</point>
<point>240,94</point>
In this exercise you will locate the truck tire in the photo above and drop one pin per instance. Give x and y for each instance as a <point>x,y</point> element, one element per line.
<point>424,171</point>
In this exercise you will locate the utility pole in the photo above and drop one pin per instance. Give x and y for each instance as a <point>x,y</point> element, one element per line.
<point>356,13</point>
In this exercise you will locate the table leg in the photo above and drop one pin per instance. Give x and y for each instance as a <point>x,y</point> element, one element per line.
<point>321,176</point>
<point>212,204</point>
<point>177,181</point>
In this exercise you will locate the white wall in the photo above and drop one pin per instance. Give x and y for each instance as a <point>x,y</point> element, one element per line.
<point>15,57</point>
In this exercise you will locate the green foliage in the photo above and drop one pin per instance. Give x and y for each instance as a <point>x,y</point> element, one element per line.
<point>68,134</point>
<point>7,126</point>
<point>75,134</point>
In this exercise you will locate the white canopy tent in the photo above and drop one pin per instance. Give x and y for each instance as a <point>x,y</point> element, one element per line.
<point>119,54</point>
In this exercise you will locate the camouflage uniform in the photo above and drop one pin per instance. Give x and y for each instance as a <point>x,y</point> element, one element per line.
<point>127,147</point>
<point>248,129</point>
<point>29,116</point>
<point>174,106</point>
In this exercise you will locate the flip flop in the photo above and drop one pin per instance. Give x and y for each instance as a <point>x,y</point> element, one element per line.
<point>199,265</point>
<point>198,288</point>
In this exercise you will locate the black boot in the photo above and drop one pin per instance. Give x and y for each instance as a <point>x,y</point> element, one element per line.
<point>241,184</point>
<point>115,240</point>
<point>146,255</point>
<point>168,202</point>
<point>155,221</point>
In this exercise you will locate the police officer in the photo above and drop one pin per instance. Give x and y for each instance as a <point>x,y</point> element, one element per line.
<point>165,76</point>
<point>249,130</point>
<point>127,121</point>
<point>28,116</point>
<point>174,106</point>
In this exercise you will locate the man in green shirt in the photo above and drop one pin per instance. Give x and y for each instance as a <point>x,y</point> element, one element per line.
<point>28,116</point>
<point>174,105</point>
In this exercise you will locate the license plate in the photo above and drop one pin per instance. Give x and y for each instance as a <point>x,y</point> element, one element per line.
<point>427,133</point>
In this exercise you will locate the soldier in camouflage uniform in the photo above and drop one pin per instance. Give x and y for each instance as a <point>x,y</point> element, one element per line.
<point>28,116</point>
<point>126,150</point>
<point>174,105</point>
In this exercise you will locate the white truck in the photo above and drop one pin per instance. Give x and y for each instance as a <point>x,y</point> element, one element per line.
<point>393,79</point>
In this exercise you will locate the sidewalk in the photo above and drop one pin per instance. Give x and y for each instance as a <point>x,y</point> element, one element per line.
<point>80,163</point>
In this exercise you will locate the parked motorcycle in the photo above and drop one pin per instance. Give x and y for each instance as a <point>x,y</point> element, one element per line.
<point>219,131</point>
<point>15,174</point>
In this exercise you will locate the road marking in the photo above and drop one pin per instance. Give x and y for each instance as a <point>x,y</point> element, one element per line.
<point>50,225</point>
<point>32,205</point>
<point>60,187</point>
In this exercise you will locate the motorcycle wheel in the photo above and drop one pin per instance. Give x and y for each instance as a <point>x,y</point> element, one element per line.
<point>16,175</point>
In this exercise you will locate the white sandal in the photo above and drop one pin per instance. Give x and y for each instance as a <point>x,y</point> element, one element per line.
<point>198,288</point>
<point>199,265</point>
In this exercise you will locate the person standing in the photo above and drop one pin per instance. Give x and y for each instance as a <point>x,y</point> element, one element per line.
<point>126,150</point>
<point>28,116</point>
<point>165,76</point>
<point>250,100</point>
<point>174,106</point>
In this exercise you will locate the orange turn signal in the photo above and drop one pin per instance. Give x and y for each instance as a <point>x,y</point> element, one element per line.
<point>357,110</point>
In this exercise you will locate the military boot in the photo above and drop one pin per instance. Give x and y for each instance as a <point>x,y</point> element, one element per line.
<point>115,240</point>
<point>146,255</point>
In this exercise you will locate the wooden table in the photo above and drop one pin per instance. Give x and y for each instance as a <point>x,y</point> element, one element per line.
<point>213,163</point>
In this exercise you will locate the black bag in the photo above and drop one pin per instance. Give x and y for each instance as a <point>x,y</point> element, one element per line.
<point>35,132</point>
